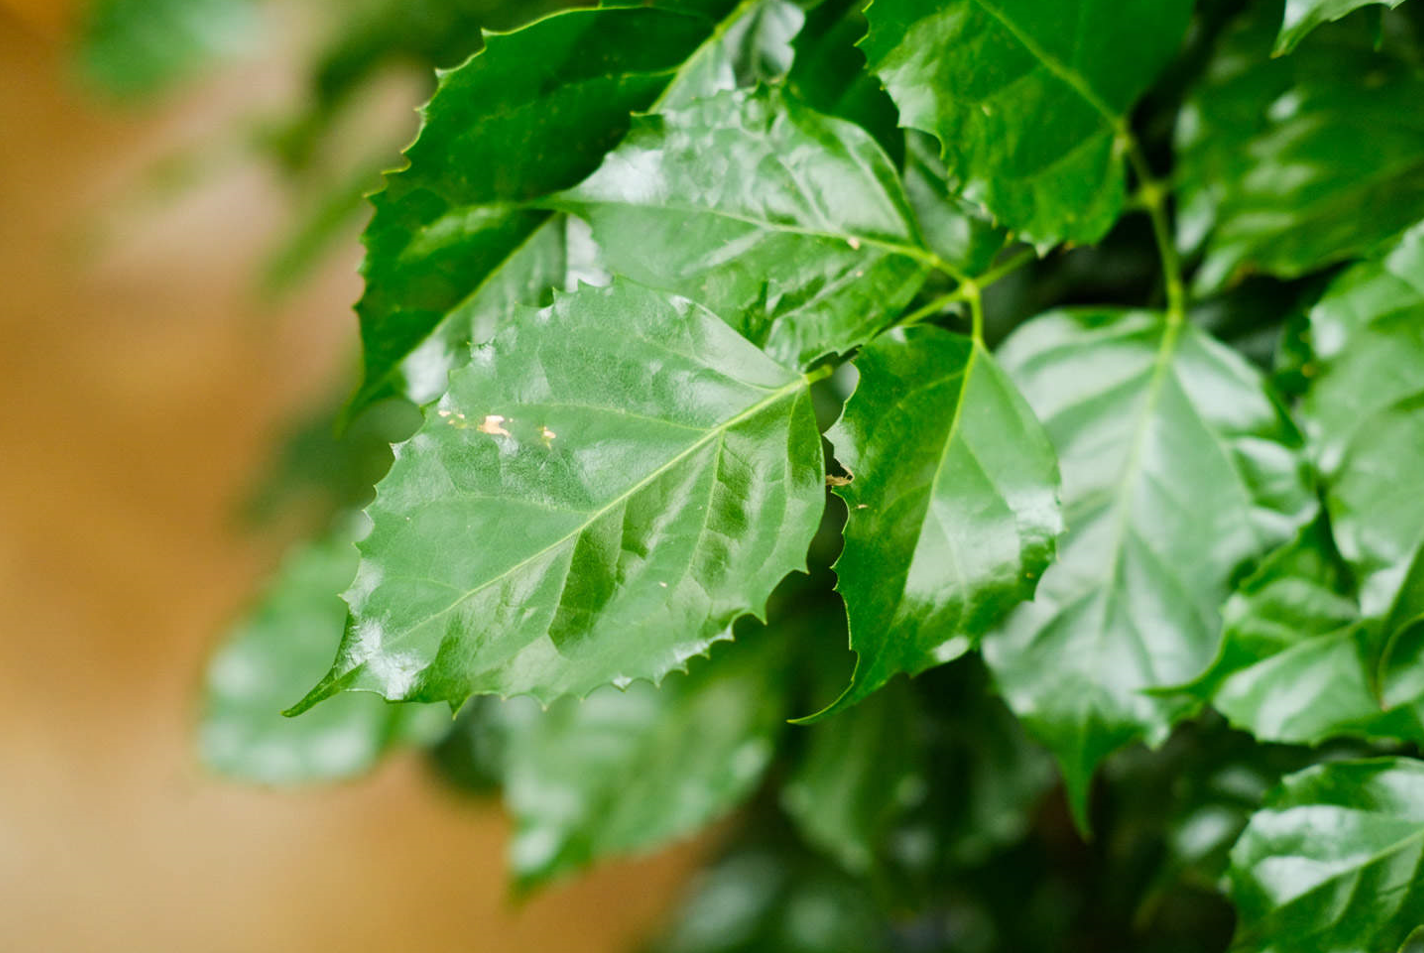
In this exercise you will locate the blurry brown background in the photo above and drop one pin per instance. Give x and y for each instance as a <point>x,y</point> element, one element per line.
<point>142,383</point>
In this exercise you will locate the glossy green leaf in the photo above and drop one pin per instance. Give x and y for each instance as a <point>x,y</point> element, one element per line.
<point>625,771</point>
<point>1290,667</point>
<point>607,487</point>
<point>1292,164</point>
<point>1178,469</point>
<point>859,771</point>
<point>1364,413</point>
<point>790,224</point>
<point>1334,863</point>
<point>1302,16</point>
<point>1028,97</point>
<point>271,657</point>
<point>1297,664</point>
<point>754,47</point>
<point>953,502</point>
<point>533,113</point>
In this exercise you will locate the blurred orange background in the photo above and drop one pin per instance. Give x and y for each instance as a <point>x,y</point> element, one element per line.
<point>143,384</point>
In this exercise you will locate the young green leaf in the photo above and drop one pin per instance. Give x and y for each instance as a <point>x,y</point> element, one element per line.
<point>1028,97</point>
<point>1334,861</point>
<point>1297,663</point>
<point>1302,16</point>
<point>1292,164</point>
<point>271,656</point>
<point>858,772</point>
<point>953,502</point>
<point>791,224</point>
<point>956,229</point>
<point>1364,413</point>
<point>533,113</point>
<point>1177,467</point>
<point>606,488</point>
<point>753,47</point>
<point>621,772</point>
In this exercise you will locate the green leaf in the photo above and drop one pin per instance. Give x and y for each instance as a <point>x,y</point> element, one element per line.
<point>533,113</point>
<point>1293,164</point>
<point>859,771</point>
<point>625,771</point>
<point>1178,468</point>
<point>953,504</point>
<point>1364,413</point>
<point>1334,863</point>
<point>1302,16</point>
<point>1029,97</point>
<point>753,47</point>
<point>271,656</point>
<point>1297,664</point>
<point>607,487</point>
<point>791,224</point>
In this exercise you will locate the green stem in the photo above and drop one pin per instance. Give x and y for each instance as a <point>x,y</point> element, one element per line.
<point>1152,193</point>
<point>970,290</point>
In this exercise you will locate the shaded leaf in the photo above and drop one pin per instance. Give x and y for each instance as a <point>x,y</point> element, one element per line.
<point>137,48</point>
<point>271,657</point>
<point>1028,97</point>
<point>1334,862</point>
<point>953,506</point>
<point>791,224</point>
<point>955,229</point>
<point>606,488</point>
<point>625,771</point>
<point>1178,468</point>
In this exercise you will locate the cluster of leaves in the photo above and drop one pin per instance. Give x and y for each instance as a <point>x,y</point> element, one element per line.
<point>1094,496</point>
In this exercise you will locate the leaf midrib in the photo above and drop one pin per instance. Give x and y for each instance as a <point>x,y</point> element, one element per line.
<point>712,433</point>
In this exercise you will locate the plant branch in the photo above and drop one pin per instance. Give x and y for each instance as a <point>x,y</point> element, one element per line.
<point>1152,194</point>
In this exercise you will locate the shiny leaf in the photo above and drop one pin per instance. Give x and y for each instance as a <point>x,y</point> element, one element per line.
<point>1334,863</point>
<point>1302,16</point>
<point>533,113</point>
<point>1297,664</point>
<point>1292,164</point>
<point>953,502</point>
<point>1178,469</point>
<point>271,657</point>
<point>959,231</point>
<point>606,488</point>
<point>791,224</point>
<point>1028,97</point>
<point>622,772</point>
<point>1364,413</point>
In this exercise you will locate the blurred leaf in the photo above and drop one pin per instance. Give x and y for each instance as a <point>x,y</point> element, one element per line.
<point>860,770</point>
<point>775,899</point>
<point>273,655</point>
<point>1291,164</point>
<point>624,771</point>
<point>138,48</point>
